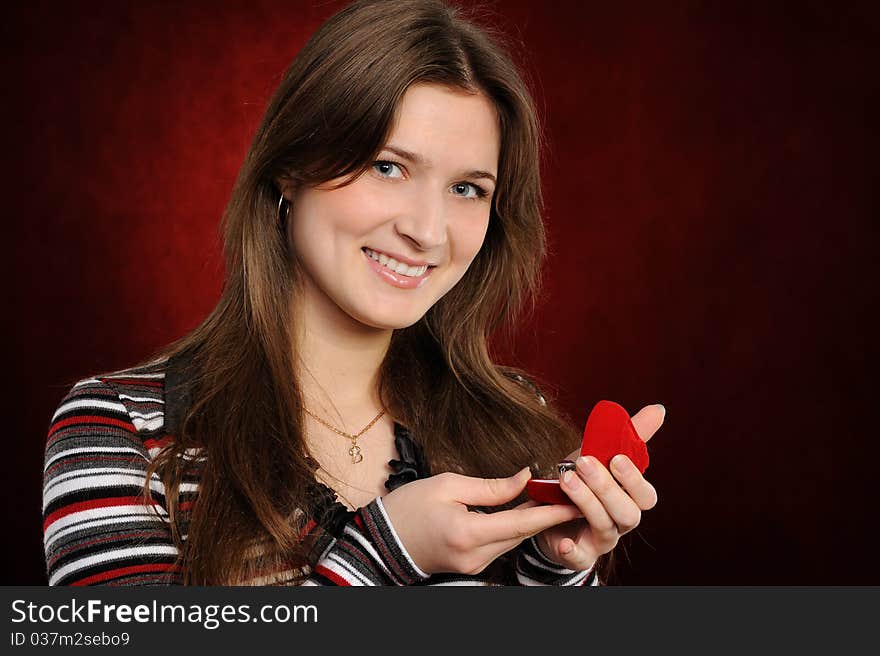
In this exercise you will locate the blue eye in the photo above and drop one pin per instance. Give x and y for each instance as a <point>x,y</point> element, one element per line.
<point>385,165</point>
<point>479,192</point>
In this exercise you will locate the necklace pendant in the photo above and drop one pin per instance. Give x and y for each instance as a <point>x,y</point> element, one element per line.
<point>355,453</point>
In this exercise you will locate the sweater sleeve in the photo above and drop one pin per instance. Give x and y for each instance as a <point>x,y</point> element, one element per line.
<point>369,552</point>
<point>366,552</point>
<point>97,530</point>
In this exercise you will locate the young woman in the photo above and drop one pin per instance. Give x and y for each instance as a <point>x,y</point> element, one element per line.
<point>337,418</point>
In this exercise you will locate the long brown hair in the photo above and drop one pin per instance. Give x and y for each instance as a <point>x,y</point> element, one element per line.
<point>328,119</point>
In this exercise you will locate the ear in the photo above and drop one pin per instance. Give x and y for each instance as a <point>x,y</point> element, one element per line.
<point>286,185</point>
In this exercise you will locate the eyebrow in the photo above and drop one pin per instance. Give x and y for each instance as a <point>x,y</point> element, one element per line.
<point>419,159</point>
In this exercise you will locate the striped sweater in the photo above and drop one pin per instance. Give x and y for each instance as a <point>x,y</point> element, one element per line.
<point>98,531</point>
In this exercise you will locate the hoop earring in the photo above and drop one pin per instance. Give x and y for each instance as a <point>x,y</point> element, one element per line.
<point>282,217</point>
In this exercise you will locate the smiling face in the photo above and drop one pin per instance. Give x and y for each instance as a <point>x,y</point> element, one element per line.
<point>424,202</point>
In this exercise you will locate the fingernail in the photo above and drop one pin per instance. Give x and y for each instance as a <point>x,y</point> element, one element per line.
<point>566,477</point>
<point>662,409</point>
<point>584,464</point>
<point>619,463</point>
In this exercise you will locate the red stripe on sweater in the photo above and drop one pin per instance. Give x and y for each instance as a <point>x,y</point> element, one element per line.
<point>133,381</point>
<point>157,443</point>
<point>91,504</point>
<point>90,419</point>
<point>123,571</point>
<point>307,529</point>
<point>333,576</point>
<point>147,579</point>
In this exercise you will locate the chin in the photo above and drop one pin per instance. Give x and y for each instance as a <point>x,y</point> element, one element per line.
<point>390,321</point>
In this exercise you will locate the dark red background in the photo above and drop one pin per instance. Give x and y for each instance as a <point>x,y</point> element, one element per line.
<point>712,209</point>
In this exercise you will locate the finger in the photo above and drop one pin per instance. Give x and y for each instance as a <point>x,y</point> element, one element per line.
<point>590,506</point>
<point>648,420</point>
<point>618,505</point>
<point>475,491</point>
<point>570,555</point>
<point>527,504</point>
<point>566,553</point>
<point>519,524</point>
<point>629,476</point>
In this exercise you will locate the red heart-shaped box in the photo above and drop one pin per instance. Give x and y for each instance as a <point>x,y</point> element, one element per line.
<point>609,431</point>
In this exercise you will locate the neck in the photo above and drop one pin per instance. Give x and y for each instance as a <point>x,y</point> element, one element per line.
<point>338,361</point>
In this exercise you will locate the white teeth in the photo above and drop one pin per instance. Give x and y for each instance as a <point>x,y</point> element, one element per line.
<point>397,267</point>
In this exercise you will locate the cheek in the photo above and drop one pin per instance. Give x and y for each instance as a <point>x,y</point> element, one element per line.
<point>351,209</point>
<point>471,236</point>
<point>345,211</point>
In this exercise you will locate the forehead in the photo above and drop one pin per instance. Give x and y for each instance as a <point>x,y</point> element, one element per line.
<point>450,128</point>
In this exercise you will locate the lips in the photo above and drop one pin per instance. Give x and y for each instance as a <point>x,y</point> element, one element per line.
<point>396,279</point>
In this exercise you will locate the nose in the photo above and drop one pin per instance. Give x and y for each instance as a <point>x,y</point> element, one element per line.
<point>424,223</point>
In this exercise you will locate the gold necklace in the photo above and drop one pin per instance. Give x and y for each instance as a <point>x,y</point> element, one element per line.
<point>355,450</point>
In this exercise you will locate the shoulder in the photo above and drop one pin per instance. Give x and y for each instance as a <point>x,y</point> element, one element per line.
<point>129,401</point>
<point>141,391</point>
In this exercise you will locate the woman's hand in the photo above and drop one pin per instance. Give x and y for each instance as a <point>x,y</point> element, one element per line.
<point>431,518</point>
<point>611,502</point>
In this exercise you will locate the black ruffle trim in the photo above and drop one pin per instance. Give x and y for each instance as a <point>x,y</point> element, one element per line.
<point>333,515</point>
<point>412,463</point>
<point>327,510</point>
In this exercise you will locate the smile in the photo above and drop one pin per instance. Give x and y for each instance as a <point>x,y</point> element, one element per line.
<point>397,273</point>
<point>394,265</point>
